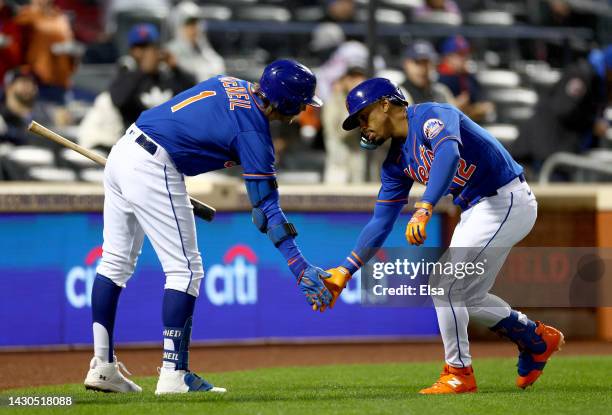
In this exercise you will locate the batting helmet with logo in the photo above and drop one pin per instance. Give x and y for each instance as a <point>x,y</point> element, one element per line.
<point>288,85</point>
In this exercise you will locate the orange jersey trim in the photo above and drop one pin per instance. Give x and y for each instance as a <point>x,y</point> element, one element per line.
<point>259,175</point>
<point>357,257</point>
<point>442,139</point>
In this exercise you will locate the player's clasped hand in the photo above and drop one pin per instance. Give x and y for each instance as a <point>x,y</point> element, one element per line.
<point>415,231</point>
<point>311,284</point>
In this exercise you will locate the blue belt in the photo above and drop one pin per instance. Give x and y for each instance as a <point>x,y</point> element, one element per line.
<point>147,144</point>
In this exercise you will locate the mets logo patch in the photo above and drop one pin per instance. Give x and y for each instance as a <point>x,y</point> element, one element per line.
<point>432,128</point>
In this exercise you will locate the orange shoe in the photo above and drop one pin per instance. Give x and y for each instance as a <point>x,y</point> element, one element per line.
<point>530,365</point>
<point>453,380</point>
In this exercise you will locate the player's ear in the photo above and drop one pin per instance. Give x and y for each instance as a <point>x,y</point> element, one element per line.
<point>386,105</point>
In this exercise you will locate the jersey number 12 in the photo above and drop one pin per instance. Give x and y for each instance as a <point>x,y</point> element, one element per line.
<point>190,100</point>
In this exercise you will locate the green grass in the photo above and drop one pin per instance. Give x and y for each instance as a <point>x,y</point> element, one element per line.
<point>572,385</point>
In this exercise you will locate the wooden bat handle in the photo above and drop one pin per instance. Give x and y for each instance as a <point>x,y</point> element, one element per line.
<point>200,209</point>
<point>53,136</point>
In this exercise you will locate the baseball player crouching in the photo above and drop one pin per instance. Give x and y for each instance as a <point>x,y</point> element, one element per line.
<point>220,122</point>
<point>439,146</point>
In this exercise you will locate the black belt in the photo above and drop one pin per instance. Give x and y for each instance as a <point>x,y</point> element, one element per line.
<point>521,177</point>
<point>147,144</point>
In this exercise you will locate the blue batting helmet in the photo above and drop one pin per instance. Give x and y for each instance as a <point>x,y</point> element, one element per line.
<point>288,85</point>
<point>366,93</point>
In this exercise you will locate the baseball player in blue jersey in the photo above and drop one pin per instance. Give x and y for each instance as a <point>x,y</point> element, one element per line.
<point>440,147</point>
<point>220,122</point>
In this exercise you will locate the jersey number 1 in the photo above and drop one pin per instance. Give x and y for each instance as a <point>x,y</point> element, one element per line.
<point>190,100</point>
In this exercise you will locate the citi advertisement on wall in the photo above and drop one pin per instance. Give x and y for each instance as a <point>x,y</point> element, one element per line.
<point>49,261</point>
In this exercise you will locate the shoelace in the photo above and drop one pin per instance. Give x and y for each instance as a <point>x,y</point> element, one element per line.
<point>123,368</point>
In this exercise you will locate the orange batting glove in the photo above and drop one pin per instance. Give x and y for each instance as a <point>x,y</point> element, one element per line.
<point>340,276</point>
<point>415,231</point>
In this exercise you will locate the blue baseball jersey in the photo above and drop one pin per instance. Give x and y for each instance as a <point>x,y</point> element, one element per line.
<point>484,164</point>
<point>216,124</point>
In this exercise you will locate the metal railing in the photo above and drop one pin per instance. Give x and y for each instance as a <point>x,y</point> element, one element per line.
<point>582,162</point>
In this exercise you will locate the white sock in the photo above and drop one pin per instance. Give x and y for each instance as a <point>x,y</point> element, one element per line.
<point>168,345</point>
<point>101,342</point>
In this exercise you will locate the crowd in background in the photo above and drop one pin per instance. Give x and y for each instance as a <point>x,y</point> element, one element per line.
<point>43,43</point>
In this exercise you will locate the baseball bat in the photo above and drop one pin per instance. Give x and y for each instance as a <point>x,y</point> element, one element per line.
<point>200,209</point>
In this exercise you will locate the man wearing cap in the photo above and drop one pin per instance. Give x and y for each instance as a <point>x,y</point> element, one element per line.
<point>148,76</point>
<point>17,108</point>
<point>441,148</point>
<point>419,59</point>
<point>454,73</point>
<point>219,123</point>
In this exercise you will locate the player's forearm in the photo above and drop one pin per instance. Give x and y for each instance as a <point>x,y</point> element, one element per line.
<point>373,235</point>
<point>288,248</point>
<point>270,219</point>
<point>442,171</point>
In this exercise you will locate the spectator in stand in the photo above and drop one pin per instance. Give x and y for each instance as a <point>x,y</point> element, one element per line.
<point>340,11</point>
<point>569,117</point>
<point>344,162</point>
<point>18,107</point>
<point>438,6</point>
<point>10,39</point>
<point>190,45</point>
<point>419,60</point>
<point>147,77</point>
<point>454,73</point>
<point>50,49</point>
<point>88,18</point>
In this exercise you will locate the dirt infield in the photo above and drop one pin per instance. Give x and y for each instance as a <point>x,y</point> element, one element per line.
<point>23,369</point>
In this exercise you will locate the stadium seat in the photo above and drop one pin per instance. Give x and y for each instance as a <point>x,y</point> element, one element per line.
<point>6,148</point>
<point>52,174</point>
<point>32,156</point>
<point>92,175</point>
<point>506,133</point>
<point>513,95</point>
<point>490,18</point>
<point>385,16</point>
<point>403,4</point>
<point>513,114</point>
<point>263,13</point>
<point>441,18</point>
<point>498,78</point>
<point>75,158</point>
<point>309,13</point>
<point>540,73</point>
<point>215,12</point>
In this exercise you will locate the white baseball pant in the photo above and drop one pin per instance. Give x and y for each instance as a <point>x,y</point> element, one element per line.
<point>489,229</point>
<point>144,194</point>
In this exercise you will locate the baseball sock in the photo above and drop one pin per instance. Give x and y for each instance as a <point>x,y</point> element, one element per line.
<point>520,330</point>
<point>104,299</point>
<point>177,315</point>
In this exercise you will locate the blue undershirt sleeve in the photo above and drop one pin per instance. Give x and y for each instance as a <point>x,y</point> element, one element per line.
<point>442,172</point>
<point>373,235</point>
<point>291,252</point>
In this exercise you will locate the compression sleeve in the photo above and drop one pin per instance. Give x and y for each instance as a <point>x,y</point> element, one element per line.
<point>373,235</point>
<point>291,252</point>
<point>442,171</point>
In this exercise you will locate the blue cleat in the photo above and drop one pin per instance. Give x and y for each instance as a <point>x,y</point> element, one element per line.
<point>183,381</point>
